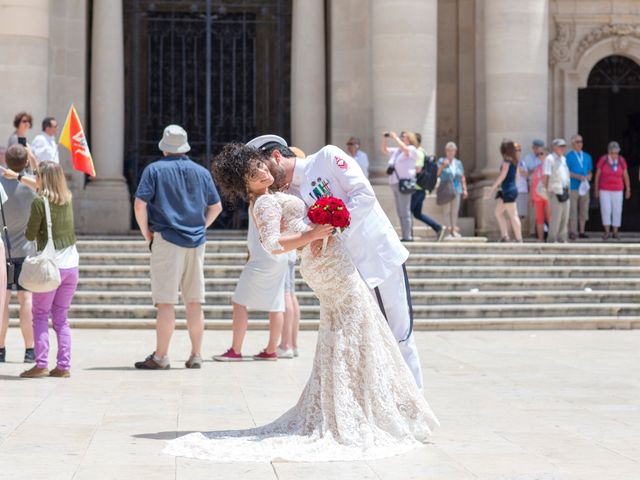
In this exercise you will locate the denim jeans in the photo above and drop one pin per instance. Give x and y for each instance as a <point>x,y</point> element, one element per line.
<point>417,199</point>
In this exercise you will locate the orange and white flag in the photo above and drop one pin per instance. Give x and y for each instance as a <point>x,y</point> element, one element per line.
<point>73,138</point>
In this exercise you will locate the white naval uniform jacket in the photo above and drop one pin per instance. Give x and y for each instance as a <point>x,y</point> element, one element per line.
<point>371,240</point>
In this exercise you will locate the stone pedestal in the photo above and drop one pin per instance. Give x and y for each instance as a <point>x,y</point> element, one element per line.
<point>105,208</point>
<point>106,204</point>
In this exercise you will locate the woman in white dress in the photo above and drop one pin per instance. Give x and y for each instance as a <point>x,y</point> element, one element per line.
<point>361,401</point>
<point>269,271</point>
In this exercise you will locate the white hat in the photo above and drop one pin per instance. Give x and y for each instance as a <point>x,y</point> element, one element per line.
<point>262,140</point>
<point>559,142</point>
<point>174,140</point>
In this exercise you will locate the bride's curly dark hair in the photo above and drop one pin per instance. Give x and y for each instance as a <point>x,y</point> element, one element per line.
<point>232,166</point>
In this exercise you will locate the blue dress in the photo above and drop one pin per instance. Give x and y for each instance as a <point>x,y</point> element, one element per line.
<point>508,190</point>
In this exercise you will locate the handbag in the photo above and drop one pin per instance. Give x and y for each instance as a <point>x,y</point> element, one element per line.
<point>11,266</point>
<point>407,186</point>
<point>564,196</point>
<point>445,193</point>
<point>40,272</point>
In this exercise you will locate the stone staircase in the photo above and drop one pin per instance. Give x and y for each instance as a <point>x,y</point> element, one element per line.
<point>456,285</point>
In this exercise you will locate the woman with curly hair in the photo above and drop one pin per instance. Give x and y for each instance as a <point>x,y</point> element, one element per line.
<point>361,400</point>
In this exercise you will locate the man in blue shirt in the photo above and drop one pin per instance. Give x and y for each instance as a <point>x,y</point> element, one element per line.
<point>175,202</point>
<point>580,169</point>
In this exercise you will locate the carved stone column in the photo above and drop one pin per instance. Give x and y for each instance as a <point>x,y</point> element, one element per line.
<point>24,62</point>
<point>404,70</point>
<point>106,205</point>
<point>516,75</point>
<point>308,66</point>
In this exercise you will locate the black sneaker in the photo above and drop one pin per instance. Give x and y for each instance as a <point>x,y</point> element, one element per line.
<point>3,355</point>
<point>583,235</point>
<point>29,355</point>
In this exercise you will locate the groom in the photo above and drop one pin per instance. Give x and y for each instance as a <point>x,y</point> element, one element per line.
<point>371,240</point>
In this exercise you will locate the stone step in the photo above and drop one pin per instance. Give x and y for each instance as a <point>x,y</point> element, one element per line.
<point>431,259</point>
<point>417,284</point>
<point>143,298</point>
<point>564,322</point>
<point>214,312</point>
<point>430,271</point>
<point>451,247</point>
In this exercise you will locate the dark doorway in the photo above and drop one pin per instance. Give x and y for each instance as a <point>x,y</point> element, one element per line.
<point>609,109</point>
<point>219,68</point>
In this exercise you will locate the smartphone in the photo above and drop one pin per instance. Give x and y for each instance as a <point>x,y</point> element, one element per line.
<point>22,141</point>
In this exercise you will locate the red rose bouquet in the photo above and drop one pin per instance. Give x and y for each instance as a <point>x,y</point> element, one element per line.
<point>329,211</point>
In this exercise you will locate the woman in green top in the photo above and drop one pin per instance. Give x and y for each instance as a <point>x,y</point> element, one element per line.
<point>52,186</point>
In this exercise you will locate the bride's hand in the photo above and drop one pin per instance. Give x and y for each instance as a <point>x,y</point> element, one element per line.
<point>319,232</point>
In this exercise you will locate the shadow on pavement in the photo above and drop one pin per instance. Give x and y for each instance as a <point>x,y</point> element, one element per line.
<point>163,435</point>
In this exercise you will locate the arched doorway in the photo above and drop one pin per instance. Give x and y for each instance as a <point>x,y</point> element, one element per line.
<point>609,109</point>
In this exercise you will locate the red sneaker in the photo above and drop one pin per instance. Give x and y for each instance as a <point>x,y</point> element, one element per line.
<point>230,356</point>
<point>263,355</point>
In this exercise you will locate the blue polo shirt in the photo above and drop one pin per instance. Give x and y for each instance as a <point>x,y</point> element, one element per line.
<point>177,192</point>
<point>580,164</point>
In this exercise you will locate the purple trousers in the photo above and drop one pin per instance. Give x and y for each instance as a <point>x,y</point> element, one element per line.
<point>55,304</point>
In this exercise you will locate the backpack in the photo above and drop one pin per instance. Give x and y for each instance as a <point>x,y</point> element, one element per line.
<point>428,177</point>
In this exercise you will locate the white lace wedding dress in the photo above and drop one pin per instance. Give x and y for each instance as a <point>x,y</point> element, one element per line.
<point>361,401</point>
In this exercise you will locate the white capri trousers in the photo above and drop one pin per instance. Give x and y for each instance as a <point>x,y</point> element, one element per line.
<point>611,208</point>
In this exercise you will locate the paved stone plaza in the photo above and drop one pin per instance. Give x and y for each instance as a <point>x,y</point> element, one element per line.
<point>545,405</point>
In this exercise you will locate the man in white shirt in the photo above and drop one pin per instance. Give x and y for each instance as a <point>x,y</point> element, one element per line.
<point>353,148</point>
<point>381,262</point>
<point>45,146</point>
<point>556,182</point>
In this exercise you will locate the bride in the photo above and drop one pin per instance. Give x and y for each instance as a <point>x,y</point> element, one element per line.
<point>361,401</point>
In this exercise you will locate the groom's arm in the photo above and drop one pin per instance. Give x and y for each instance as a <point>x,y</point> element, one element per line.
<point>360,196</point>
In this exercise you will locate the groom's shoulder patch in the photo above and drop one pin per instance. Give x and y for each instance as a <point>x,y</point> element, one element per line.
<point>340,162</point>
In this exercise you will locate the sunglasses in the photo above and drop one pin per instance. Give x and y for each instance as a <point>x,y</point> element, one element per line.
<point>351,144</point>
<point>24,120</point>
<point>541,154</point>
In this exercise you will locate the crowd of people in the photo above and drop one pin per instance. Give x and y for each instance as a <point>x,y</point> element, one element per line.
<point>552,189</point>
<point>545,193</point>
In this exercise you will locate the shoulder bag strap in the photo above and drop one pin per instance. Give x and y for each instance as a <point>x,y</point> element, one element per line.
<point>5,230</point>
<point>47,213</point>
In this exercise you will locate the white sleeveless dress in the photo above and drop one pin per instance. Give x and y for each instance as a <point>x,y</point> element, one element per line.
<point>261,283</point>
<point>360,402</point>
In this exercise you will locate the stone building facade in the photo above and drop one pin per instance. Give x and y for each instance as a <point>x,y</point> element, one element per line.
<point>471,71</point>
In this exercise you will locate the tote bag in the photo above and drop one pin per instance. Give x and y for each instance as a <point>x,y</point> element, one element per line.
<point>445,192</point>
<point>40,272</point>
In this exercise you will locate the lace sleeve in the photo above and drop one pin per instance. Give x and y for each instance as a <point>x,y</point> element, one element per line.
<point>268,213</point>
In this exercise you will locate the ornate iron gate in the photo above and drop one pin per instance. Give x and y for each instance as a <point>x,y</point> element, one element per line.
<point>219,68</point>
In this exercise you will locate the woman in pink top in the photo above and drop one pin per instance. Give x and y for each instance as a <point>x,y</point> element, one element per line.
<point>402,165</point>
<point>612,178</point>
